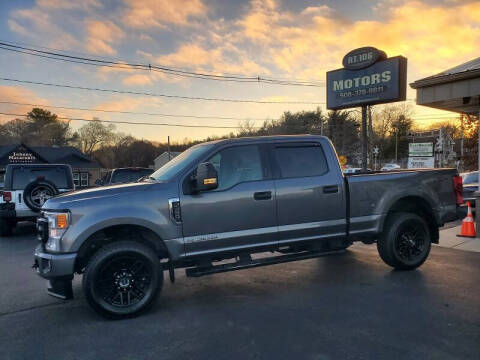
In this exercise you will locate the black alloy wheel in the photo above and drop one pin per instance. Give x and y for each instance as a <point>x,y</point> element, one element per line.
<point>122,279</point>
<point>405,241</point>
<point>410,242</point>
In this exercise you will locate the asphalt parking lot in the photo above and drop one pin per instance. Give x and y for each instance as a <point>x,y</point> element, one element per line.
<point>349,306</point>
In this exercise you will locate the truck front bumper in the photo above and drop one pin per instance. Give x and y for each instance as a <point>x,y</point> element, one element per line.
<point>58,269</point>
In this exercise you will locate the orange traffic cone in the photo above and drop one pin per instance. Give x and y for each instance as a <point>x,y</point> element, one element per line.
<point>468,225</point>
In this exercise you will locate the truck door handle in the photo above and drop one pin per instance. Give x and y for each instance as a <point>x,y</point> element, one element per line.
<point>262,195</point>
<point>330,189</point>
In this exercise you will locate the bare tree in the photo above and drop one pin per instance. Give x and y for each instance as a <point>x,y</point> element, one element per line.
<point>95,134</point>
<point>247,128</point>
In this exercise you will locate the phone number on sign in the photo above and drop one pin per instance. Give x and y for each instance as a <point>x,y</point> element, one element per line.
<point>361,92</point>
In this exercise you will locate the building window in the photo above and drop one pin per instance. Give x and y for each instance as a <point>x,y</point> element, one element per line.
<point>76,178</point>
<point>84,178</point>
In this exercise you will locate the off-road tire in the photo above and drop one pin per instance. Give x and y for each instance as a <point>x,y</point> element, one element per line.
<point>395,246</point>
<point>99,266</point>
<point>5,227</point>
<point>47,186</point>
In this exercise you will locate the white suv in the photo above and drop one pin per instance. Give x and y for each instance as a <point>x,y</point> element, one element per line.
<point>26,188</point>
<point>390,167</point>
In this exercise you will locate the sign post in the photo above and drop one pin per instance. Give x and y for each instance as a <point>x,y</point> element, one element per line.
<point>375,153</point>
<point>368,78</point>
<point>364,138</point>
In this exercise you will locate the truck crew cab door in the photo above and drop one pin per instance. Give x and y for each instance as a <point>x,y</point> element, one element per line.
<point>310,194</point>
<point>240,213</point>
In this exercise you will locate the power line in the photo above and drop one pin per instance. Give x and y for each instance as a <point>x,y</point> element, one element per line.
<point>419,117</point>
<point>149,67</point>
<point>159,95</point>
<point>134,112</point>
<point>314,81</point>
<point>147,123</point>
<point>134,123</point>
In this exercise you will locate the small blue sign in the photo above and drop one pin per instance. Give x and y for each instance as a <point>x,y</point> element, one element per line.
<point>384,81</point>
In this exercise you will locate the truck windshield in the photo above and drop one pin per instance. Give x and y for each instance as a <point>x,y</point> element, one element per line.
<point>177,164</point>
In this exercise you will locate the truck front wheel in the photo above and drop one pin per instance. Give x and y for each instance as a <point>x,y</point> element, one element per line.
<point>122,279</point>
<point>405,242</point>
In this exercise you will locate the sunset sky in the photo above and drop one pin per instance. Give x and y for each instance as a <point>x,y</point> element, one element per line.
<point>278,39</point>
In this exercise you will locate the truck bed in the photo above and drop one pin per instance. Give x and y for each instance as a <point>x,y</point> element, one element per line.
<point>371,196</point>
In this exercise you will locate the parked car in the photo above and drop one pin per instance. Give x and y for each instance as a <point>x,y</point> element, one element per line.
<point>390,167</point>
<point>353,170</point>
<point>229,199</point>
<point>26,188</point>
<point>470,186</point>
<point>124,175</point>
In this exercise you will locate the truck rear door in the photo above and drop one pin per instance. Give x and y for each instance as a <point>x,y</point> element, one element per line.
<point>309,192</point>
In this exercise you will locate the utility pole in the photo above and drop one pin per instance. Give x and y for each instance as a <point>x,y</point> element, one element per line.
<point>461,141</point>
<point>370,136</point>
<point>168,149</point>
<point>441,148</point>
<point>320,118</point>
<point>364,138</point>
<point>477,193</point>
<point>396,145</point>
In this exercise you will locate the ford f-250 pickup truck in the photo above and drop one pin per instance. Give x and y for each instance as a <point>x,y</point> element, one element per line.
<point>212,207</point>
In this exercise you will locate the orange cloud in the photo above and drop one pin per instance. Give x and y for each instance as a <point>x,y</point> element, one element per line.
<point>101,36</point>
<point>125,103</point>
<point>190,54</point>
<point>159,13</point>
<point>17,94</point>
<point>313,41</point>
<point>67,4</point>
<point>137,79</point>
<point>194,55</point>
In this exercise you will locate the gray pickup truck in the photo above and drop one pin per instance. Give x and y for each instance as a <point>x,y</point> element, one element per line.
<point>217,204</point>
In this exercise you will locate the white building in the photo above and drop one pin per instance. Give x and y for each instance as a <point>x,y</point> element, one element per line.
<point>163,158</point>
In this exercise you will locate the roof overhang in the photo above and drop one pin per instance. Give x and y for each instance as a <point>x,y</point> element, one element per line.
<point>458,92</point>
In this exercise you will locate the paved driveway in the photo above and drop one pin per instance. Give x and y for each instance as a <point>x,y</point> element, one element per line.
<point>350,306</point>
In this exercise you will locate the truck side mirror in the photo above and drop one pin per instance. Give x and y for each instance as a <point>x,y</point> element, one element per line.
<point>205,178</point>
<point>98,182</point>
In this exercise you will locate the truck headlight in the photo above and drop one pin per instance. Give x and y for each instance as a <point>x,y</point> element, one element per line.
<point>57,225</point>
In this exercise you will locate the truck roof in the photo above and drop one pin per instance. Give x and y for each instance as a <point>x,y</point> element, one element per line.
<point>270,138</point>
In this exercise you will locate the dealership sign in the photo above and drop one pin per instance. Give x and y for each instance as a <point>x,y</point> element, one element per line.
<point>421,162</point>
<point>420,149</point>
<point>369,78</point>
<point>362,58</point>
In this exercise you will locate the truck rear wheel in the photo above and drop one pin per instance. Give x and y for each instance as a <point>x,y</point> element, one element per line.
<point>405,242</point>
<point>122,279</point>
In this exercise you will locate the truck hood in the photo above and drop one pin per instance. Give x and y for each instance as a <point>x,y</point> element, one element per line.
<point>67,200</point>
